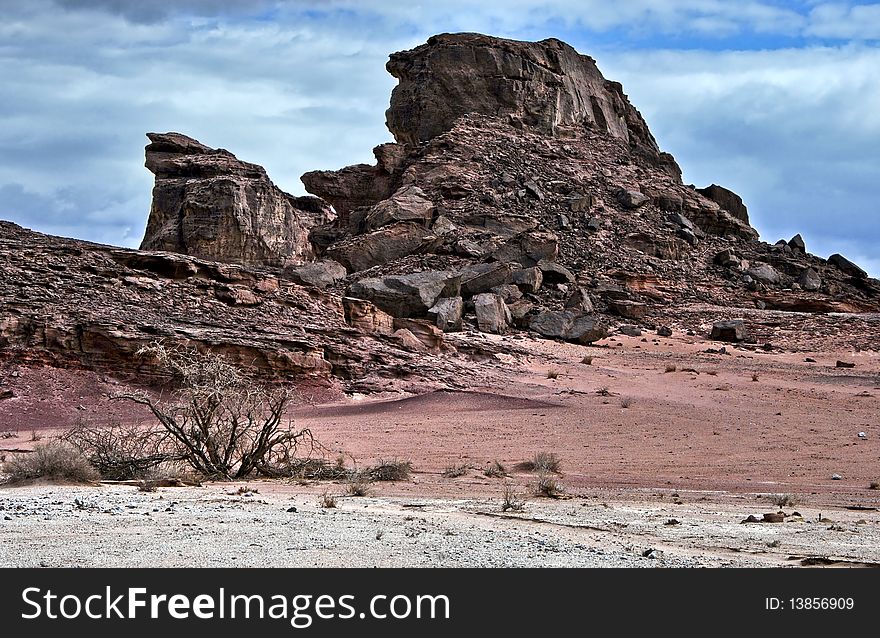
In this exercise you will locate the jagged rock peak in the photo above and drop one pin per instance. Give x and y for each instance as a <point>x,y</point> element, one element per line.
<point>545,85</point>
<point>209,204</point>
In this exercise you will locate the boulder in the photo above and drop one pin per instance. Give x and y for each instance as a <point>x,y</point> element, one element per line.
<point>319,274</point>
<point>632,199</point>
<point>520,312</point>
<point>407,204</point>
<point>664,331</point>
<point>492,313</point>
<point>508,292</point>
<point>554,273</point>
<point>209,204</point>
<point>797,244</point>
<point>568,325</point>
<point>733,330</point>
<point>426,332</point>
<point>579,299</point>
<point>483,277</point>
<point>765,273</point>
<point>374,249</point>
<point>728,259</point>
<point>846,266</point>
<point>628,309</point>
<point>447,312</point>
<point>366,317</point>
<point>527,249</point>
<point>407,295</point>
<point>810,280</point>
<point>360,185</point>
<point>528,279</point>
<point>727,200</point>
<point>630,331</point>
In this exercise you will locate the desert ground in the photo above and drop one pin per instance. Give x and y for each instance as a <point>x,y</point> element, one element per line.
<point>667,444</point>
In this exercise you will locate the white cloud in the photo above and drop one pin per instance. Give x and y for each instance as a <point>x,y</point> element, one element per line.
<point>845,21</point>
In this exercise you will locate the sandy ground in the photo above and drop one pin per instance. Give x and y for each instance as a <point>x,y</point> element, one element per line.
<point>706,445</point>
<point>213,527</point>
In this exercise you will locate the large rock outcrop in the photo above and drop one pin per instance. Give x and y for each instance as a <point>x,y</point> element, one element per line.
<point>209,204</point>
<point>545,85</point>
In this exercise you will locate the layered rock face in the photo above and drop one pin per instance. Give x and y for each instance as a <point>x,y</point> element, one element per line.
<point>209,204</point>
<point>545,85</point>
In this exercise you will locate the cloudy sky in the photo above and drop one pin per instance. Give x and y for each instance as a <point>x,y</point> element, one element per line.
<point>778,100</point>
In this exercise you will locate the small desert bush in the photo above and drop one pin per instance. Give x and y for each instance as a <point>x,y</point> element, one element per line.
<point>546,485</point>
<point>785,500</point>
<point>56,461</point>
<point>389,471</point>
<point>552,374</point>
<point>327,501</point>
<point>875,485</point>
<point>358,487</point>
<point>36,436</point>
<point>604,391</point>
<point>670,367</point>
<point>510,500</point>
<point>755,376</point>
<point>626,402</point>
<point>587,360</point>
<point>495,470</point>
<point>543,462</point>
<point>454,471</point>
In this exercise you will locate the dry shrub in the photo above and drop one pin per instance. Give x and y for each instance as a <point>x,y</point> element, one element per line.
<point>546,485</point>
<point>454,471</point>
<point>495,470</point>
<point>755,376</point>
<point>786,500</point>
<point>587,360</point>
<point>56,461</point>
<point>327,501</point>
<point>223,423</point>
<point>875,485</point>
<point>122,452</point>
<point>670,367</point>
<point>552,374</point>
<point>388,471</point>
<point>511,500</point>
<point>543,462</point>
<point>358,487</point>
<point>626,402</point>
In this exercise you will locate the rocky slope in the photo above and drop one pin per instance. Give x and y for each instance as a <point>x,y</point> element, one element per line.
<point>69,303</point>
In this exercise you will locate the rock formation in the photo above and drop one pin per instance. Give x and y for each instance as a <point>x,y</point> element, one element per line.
<point>524,193</point>
<point>544,85</point>
<point>209,204</point>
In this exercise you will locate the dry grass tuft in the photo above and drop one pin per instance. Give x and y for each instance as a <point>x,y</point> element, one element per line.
<point>670,367</point>
<point>53,461</point>
<point>454,471</point>
<point>552,374</point>
<point>547,486</point>
<point>495,470</point>
<point>327,501</point>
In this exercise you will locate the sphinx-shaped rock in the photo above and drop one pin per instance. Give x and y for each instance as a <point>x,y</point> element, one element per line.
<point>211,205</point>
